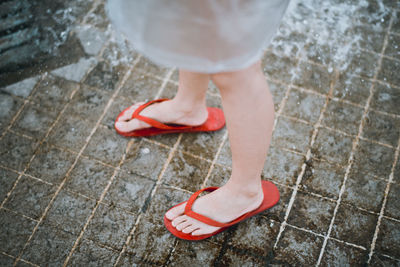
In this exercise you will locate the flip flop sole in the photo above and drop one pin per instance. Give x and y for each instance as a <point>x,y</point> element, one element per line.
<point>271,198</point>
<point>215,122</point>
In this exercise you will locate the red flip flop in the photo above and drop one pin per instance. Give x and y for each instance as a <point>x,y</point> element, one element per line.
<point>214,122</point>
<point>271,197</point>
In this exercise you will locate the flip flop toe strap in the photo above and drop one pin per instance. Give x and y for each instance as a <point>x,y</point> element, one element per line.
<point>153,122</point>
<point>189,212</point>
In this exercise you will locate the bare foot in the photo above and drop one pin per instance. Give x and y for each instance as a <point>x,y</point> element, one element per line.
<point>165,112</point>
<point>223,205</point>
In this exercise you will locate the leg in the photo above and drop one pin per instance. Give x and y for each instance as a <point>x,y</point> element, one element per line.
<point>249,113</point>
<point>187,107</point>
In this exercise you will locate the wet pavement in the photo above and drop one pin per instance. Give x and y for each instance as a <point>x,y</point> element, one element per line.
<point>75,193</point>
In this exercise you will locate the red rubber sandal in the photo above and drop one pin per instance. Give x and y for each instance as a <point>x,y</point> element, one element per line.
<point>271,198</point>
<point>214,122</point>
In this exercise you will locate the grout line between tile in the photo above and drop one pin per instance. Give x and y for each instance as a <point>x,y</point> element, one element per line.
<point>103,194</point>
<point>26,101</point>
<point>68,172</point>
<point>223,140</point>
<point>164,83</point>
<point>382,211</point>
<point>153,192</point>
<point>355,144</point>
<point>308,156</point>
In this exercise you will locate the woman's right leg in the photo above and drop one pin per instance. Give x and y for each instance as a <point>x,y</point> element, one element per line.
<point>188,107</point>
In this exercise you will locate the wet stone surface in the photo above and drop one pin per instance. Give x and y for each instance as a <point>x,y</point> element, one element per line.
<point>102,197</point>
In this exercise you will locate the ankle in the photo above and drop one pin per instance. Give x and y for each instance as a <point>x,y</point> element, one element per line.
<point>187,107</point>
<point>246,190</point>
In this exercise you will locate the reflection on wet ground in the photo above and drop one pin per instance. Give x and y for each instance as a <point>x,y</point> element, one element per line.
<point>73,192</point>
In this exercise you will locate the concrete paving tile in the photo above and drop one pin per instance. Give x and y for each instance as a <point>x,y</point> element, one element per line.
<point>362,63</point>
<point>373,158</point>
<point>54,92</point>
<point>370,38</point>
<point>218,176</point>
<point>393,202</point>
<point>304,105</point>
<point>255,235</point>
<point>396,22</point>
<point>89,253</point>
<point>69,212</point>
<point>348,223</point>
<point>297,248</point>
<point>117,106</point>
<point>364,191</point>
<point>71,132</point>
<point>277,67</point>
<point>106,145</point>
<point>165,139</point>
<point>388,241</point>
<point>288,41</point>
<point>332,146</point>
<point>51,164</point>
<point>49,246</point>
<point>313,77</point>
<point>318,52</point>
<point>110,226</point>
<point>140,87</point>
<point>392,48</point>
<point>30,197</point>
<point>194,254</point>
<point>98,17</point>
<point>278,92</point>
<point>343,117</point>
<point>76,71</point>
<point>16,151</point>
<point>389,71</point>
<point>22,263</point>
<point>322,178</point>
<point>88,103</point>
<point>386,98</point>
<point>129,191</point>
<point>8,108</point>
<point>6,260</point>
<point>14,232</point>
<point>146,159</point>
<point>382,128</point>
<point>91,39</point>
<point>352,88</point>
<point>89,178</point>
<point>104,76</point>
<point>374,13</point>
<point>340,254</point>
<point>311,212</point>
<point>22,88</point>
<point>186,172</point>
<point>146,66</point>
<point>169,90</point>
<point>204,144</point>
<point>225,155</point>
<point>34,121</point>
<point>151,241</point>
<point>7,180</point>
<point>282,166</point>
<point>397,171</point>
<point>237,259</point>
<point>277,212</point>
<point>383,261</point>
<point>292,134</point>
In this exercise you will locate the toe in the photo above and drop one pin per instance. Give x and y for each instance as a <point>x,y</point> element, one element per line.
<point>183,225</point>
<point>179,220</point>
<point>190,229</point>
<point>199,232</point>
<point>175,212</point>
<point>127,115</point>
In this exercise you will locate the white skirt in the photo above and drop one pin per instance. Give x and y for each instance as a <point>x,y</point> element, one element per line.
<point>206,36</point>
